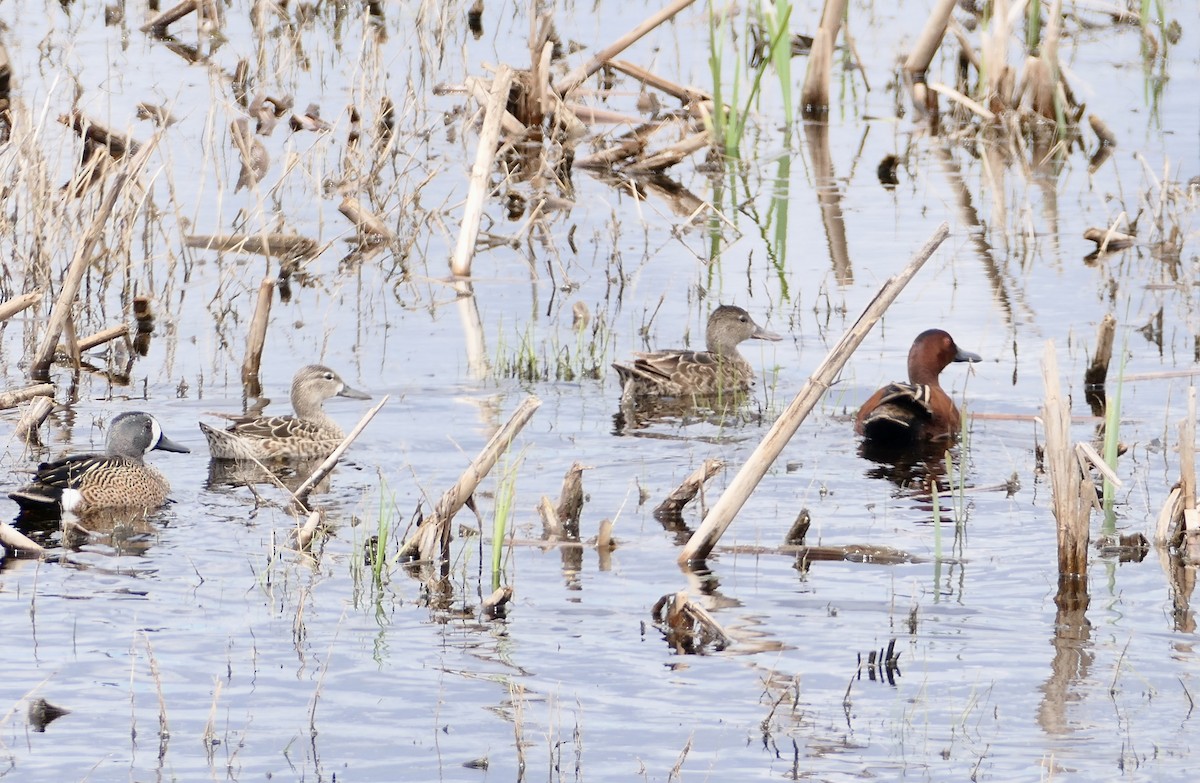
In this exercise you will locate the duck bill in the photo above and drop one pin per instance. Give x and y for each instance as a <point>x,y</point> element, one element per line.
<point>166,444</point>
<point>762,334</point>
<point>353,394</point>
<point>967,356</point>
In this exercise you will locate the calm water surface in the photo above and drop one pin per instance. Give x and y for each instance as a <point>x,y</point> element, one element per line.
<point>203,648</point>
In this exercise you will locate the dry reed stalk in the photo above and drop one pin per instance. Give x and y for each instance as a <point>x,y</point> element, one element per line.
<point>689,488</point>
<point>160,22</point>
<point>627,146</point>
<point>18,303</point>
<point>731,501</point>
<point>257,335</point>
<point>1096,374</point>
<point>604,536</point>
<point>669,156</point>
<point>594,115</point>
<point>499,597</point>
<point>582,72</point>
<point>367,223</point>
<point>814,96</point>
<point>14,398</point>
<point>930,40</point>
<point>485,154</point>
<point>102,337</point>
<point>60,313</point>
<point>1074,493</point>
<point>277,245</point>
<point>116,145</point>
<point>326,467</point>
<point>1103,133</point>
<point>570,499</point>
<point>434,533</point>
<point>16,540</point>
<point>685,618</point>
<point>508,121</point>
<point>962,100</point>
<point>31,420</point>
<point>304,533</point>
<point>674,89</point>
<point>551,524</point>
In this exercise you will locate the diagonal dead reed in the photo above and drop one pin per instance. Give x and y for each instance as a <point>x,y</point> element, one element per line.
<point>720,517</point>
<point>433,536</point>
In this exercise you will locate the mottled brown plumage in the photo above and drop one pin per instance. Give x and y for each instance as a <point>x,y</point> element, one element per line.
<point>902,413</point>
<point>309,434</point>
<point>714,372</point>
<point>117,479</point>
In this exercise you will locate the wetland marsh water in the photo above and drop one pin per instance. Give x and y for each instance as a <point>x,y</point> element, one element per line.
<point>262,663</point>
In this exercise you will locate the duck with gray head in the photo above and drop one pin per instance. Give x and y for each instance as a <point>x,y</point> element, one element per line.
<point>309,434</point>
<point>719,370</point>
<point>117,479</point>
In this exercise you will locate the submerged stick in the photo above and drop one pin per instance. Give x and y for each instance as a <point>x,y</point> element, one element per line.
<point>162,21</point>
<point>435,531</point>
<point>44,355</point>
<point>1097,372</point>
<point>325,467</point>
<point>102,337</point>
<point>18,303</point>
<point>582,72</point>
<point>731,501</point>
<point>485,154</point>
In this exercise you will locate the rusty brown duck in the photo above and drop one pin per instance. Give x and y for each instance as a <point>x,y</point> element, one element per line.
<point>719,370</point>
<point>920,410</point>
<point>117,479</point>
<point>309,434</point>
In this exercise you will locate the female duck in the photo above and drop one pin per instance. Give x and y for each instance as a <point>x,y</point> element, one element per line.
<point>310,434</point>
<point>719,370</point>
<point>117,479</point>
<point>904,413</point>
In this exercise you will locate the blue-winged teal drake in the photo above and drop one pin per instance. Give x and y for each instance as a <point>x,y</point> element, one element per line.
<point>711,373</point>
<point>903,413</point>
<point>310,434</point>
<point>117,479</point>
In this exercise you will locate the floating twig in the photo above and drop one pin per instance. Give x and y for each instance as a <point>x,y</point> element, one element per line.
<point>15,539</point>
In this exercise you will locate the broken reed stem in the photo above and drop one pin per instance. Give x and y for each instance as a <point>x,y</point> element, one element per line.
<point>15,539</point>
<point>14,398</point>
<point>814,96</point>
<point>305,533</point>
<point>731,501</point>
<point>368,223</point>
<point>582,72</point>
<point>1097,373</point>
<point>929,41</point>
<point>485,154</point>
<point>61,312</point>
<point>258,334</point>
<point>689,488</point>
<point>325,467</point>
<point>18,303</point>
<point>435,531</point>
<point>31,420</point>
<point>161,21</point>
<point>1073,493</point>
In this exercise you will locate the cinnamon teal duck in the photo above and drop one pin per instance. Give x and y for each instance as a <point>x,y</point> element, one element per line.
<point>920,410</point>
<point>117,479</point>
<point>309,434</point>
<point>719,370</point>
